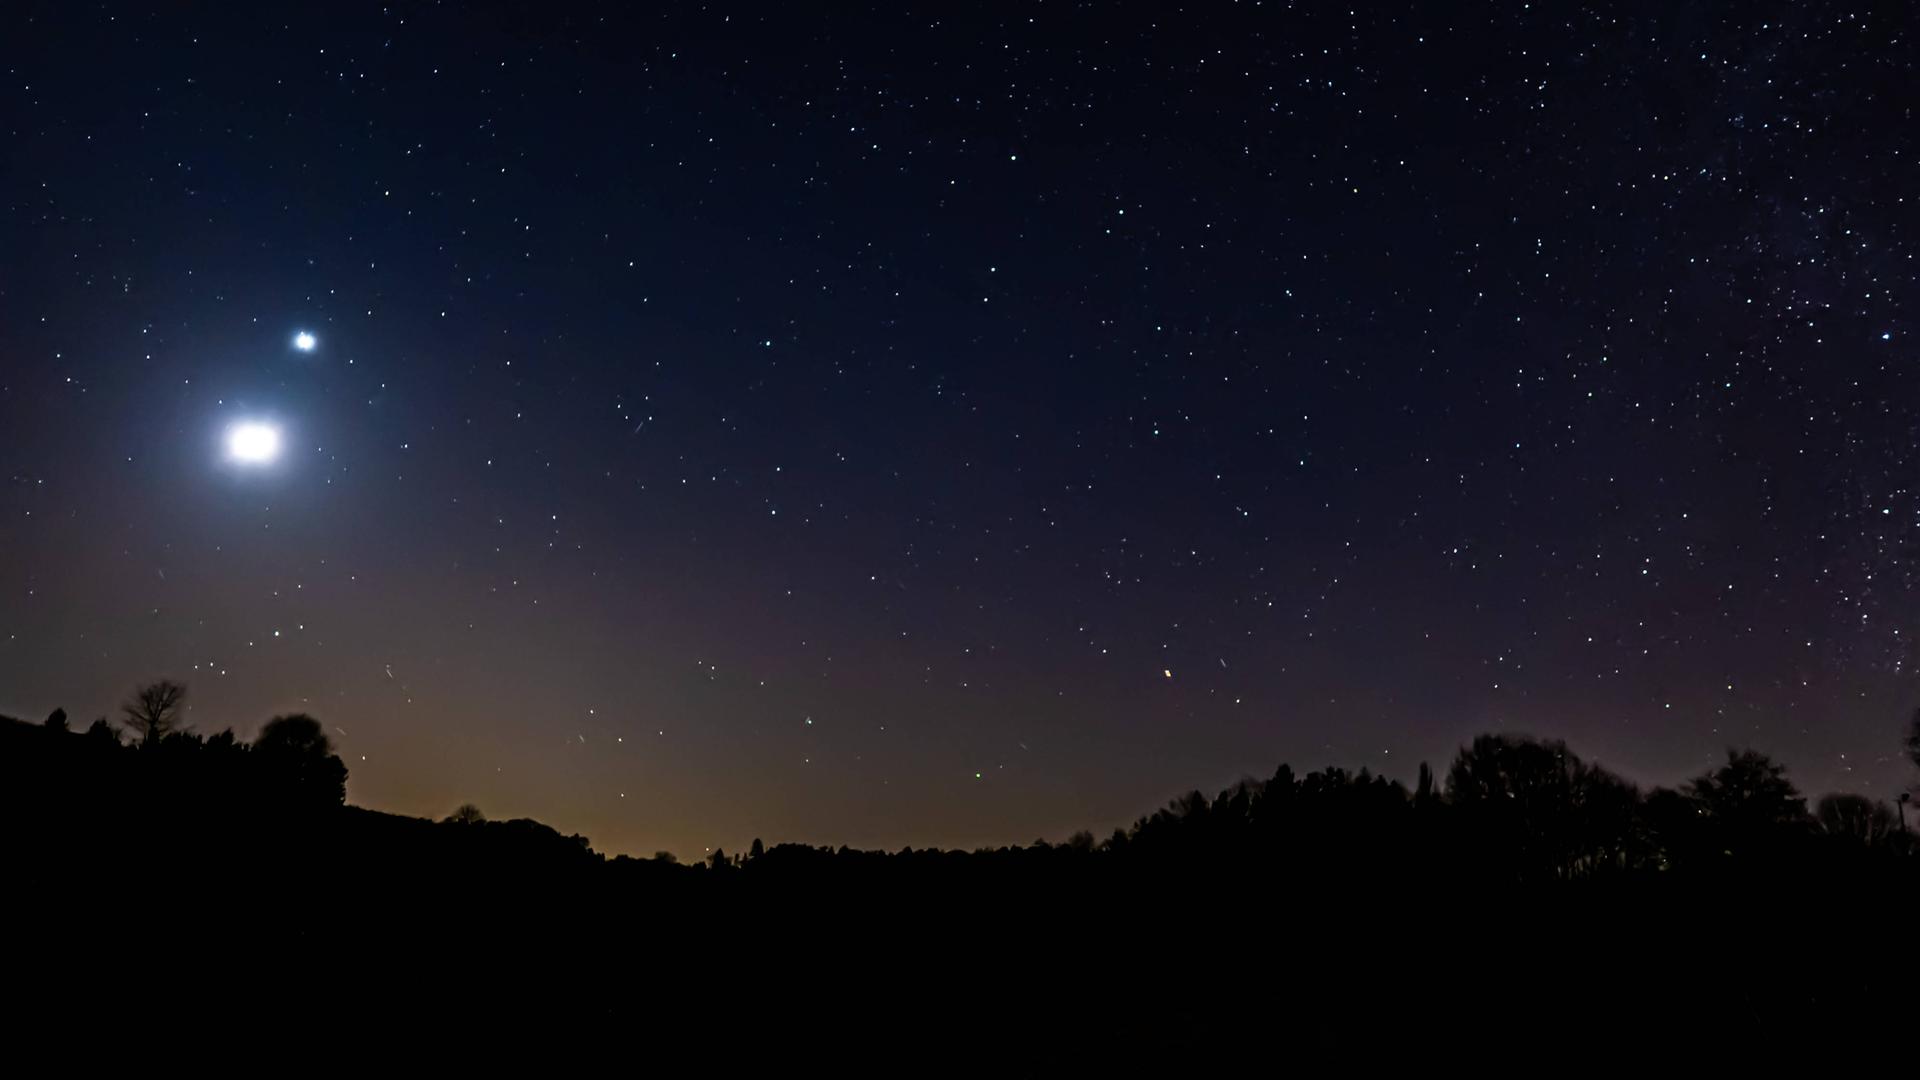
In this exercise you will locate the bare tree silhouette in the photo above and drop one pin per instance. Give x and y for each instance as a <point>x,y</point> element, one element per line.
<point>154,711</point>
<point>467,814</point>
<point>1856,818</point>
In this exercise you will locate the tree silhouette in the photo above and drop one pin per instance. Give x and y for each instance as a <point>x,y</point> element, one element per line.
<point>465,814</point>
<point>57,720</point>
<point>297,748</point>
<point>1750,787</point>
<point>154,710</point>
<point>1912,741</point>
<point>296,734</point>
<point>1856,818</point>
<point>1749,803</point>
<point>1538,807</point>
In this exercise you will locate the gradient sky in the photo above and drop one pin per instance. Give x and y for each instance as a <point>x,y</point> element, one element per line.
<point>910,425</point>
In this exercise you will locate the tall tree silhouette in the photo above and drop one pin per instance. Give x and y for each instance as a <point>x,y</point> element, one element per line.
<point>154,711</point>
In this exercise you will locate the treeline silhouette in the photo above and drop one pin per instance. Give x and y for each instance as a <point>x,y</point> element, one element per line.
<point>1511,809</point>
<point>1520,846</point>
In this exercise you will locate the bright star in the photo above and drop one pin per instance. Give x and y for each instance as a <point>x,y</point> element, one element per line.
<point>253,443</point>
<point>305,341</point>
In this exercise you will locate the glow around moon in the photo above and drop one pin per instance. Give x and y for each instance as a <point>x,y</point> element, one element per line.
<point>252,442</point>
<point>305,341</point>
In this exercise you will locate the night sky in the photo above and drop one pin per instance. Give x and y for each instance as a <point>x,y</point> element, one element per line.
<point>909,425</point>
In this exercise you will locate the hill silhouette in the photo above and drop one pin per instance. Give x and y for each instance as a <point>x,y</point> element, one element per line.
<point>1526,885</point>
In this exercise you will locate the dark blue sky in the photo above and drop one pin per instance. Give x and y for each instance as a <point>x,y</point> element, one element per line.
<point>903,425</point>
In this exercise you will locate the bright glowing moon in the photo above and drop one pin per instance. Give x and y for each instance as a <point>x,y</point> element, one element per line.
<point>305,341</point>
<point>253,443</point>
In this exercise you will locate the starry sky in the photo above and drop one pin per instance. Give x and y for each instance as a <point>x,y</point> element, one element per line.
<point>904,424</point>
